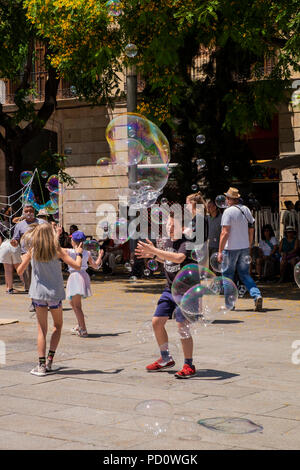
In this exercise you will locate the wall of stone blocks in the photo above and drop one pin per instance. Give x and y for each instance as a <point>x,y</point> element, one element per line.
<point>289,138</point>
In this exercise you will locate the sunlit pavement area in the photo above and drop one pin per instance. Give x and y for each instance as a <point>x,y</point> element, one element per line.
<point>247,367</point>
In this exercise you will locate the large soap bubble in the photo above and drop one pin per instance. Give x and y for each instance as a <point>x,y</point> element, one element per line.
<point>207,303</point>
<point>189,276</point>
<point>153,416</point>
<point>226,295</point>
<point>134,140</point>
<point>297,273</point>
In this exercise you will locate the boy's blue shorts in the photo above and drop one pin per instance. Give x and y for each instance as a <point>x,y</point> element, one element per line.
<point>166,307</point>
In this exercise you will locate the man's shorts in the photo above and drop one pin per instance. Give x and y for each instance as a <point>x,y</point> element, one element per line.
<point>52,304</point>
<point>166,307</point>
<point>10,254</point>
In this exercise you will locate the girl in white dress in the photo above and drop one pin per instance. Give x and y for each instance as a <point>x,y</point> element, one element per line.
<point>79,285</point>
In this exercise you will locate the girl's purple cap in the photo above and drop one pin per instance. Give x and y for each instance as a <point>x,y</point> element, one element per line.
<point>78,236</point>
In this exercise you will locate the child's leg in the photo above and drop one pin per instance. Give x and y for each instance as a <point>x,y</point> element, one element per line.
<point>57,316</point>
<point>21,276</point>
<point>186,342</point>
<point>42,322</point>
<point>76,306</point>
<point>161,335</point>
<point>8,272</point>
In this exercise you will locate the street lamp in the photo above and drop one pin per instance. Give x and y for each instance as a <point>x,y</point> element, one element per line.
<point>131,87</point>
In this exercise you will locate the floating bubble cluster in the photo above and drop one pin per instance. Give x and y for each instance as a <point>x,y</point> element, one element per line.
<point>44,174</point>
<point>190,276</point>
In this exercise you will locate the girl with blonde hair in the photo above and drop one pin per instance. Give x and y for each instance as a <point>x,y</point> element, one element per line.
<point>46,288</point>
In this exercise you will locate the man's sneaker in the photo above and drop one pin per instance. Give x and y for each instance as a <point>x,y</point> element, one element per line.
<point>74,331</point>
<point>39,370</point>
<point>258,304</point>
<point>160,364</point>
<point>31,308</point>
<point>186,372</point>
<point>79,332</point>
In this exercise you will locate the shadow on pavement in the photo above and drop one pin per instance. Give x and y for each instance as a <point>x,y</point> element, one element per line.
<point>95,335</point>
<point>61,371</point>
<point>207,374</point>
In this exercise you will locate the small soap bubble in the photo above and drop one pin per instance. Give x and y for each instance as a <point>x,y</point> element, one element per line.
<point>200,139</point>
<point>221,201</point>
<point>194,187</point>
<point>201,163</point>
<point>131,50</point>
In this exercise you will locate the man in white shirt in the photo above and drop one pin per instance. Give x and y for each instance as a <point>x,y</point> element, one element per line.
<point>235,240</point>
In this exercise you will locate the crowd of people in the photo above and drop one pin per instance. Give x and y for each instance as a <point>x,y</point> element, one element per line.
<point>39,249</point>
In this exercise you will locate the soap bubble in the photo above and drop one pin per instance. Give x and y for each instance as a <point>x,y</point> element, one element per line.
<point>145,332</point>
<point>216,266</point>
<point>200,139</point>
<point>93,247</point>
<point>226,168</point>
<point>147,272</point>
<point>10,168</point>
<point>103,161</point>
<point>44,174</point>
<point>164,200</point>
<point>25,177</point>
<point>150,149</point>
<point>247,259</point>
<point>53,184</point>
<point>131,50</point>
<point>200,253</point>
<point>194,301</point>
<point>189,428</point>
<point>114,7</point>
<point>133,278</point>
<point>189,276</point>
<point>153,416</point>
<point>221,201</point>
<point>201,163</point>
<point>226,296</point>
<point>207,303</point>
<point>152,265</point>
<point>297,273</point>
<point>194,187</point>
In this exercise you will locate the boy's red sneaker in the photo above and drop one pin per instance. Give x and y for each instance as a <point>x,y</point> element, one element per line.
<point>186,372</point>
<point>160,364</point>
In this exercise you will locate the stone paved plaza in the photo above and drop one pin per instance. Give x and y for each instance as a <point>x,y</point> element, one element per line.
<point>245,369</point>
